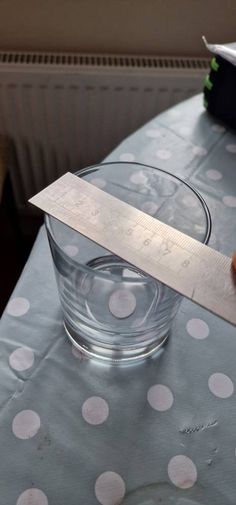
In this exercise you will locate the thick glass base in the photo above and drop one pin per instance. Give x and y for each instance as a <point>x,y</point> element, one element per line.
<point>114,354</point>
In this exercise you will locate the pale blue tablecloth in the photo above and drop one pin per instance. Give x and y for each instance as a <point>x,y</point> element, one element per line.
<point>74,432</point>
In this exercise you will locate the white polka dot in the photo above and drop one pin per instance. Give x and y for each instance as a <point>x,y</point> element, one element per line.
<point>214,175</point>
<point>149,207</point>
<point>32,496</point>
<point>18,306</point>
<point>21,359</point>
<point>122,303</point>
<point>127,157</point>
<point>138,178</point>
<point>98,182</point>
<point>26,424</point>
<point>231,148</point>
<point>229,201</point>
<point>95,410</point>
<point>218,128</point>
<point>184,130</point>
<point>220,385</point>
<point>197,328</point>
<point>153,133</point>
<point>189,201</point>
<point>109,488</point>
<point>163,154</point>
<point>71,250</point>
<point>182,471</point>
<point>160,397</point>
<point>199,151</point>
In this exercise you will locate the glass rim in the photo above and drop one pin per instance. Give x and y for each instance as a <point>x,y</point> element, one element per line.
<point>147,277</point>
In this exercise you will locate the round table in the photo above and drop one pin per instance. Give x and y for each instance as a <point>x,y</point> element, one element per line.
<point>74,431</point>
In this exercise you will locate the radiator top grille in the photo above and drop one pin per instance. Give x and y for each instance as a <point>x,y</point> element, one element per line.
<point>103,60</point>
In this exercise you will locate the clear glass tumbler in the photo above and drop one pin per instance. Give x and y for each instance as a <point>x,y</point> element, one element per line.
<point>112,310</point>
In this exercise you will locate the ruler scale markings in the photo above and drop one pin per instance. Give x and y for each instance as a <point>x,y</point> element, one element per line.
<point>193,269</point>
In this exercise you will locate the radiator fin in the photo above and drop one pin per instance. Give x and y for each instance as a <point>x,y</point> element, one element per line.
<point>63,112</point>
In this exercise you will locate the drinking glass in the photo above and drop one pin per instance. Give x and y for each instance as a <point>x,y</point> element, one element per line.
<point>112,310</point>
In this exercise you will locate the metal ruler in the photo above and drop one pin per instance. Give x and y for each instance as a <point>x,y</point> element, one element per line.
<point>194,270</point>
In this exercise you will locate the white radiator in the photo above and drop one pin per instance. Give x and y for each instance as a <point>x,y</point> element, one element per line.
<point>65,111</point>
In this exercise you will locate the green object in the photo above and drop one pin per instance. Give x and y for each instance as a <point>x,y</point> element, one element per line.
<point>208,83</point>
<point>219,91</point>
<point>214,64</point>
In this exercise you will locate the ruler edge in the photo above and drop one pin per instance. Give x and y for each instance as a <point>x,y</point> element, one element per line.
<point>170,229</point>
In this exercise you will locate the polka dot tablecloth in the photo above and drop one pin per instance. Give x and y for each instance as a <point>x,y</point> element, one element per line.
<point>163,432</point>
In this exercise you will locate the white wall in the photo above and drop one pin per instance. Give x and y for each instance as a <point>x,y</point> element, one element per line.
<point>168,27</point>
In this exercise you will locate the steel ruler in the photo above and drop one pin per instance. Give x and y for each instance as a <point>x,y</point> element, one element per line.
<point>193,269</point>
